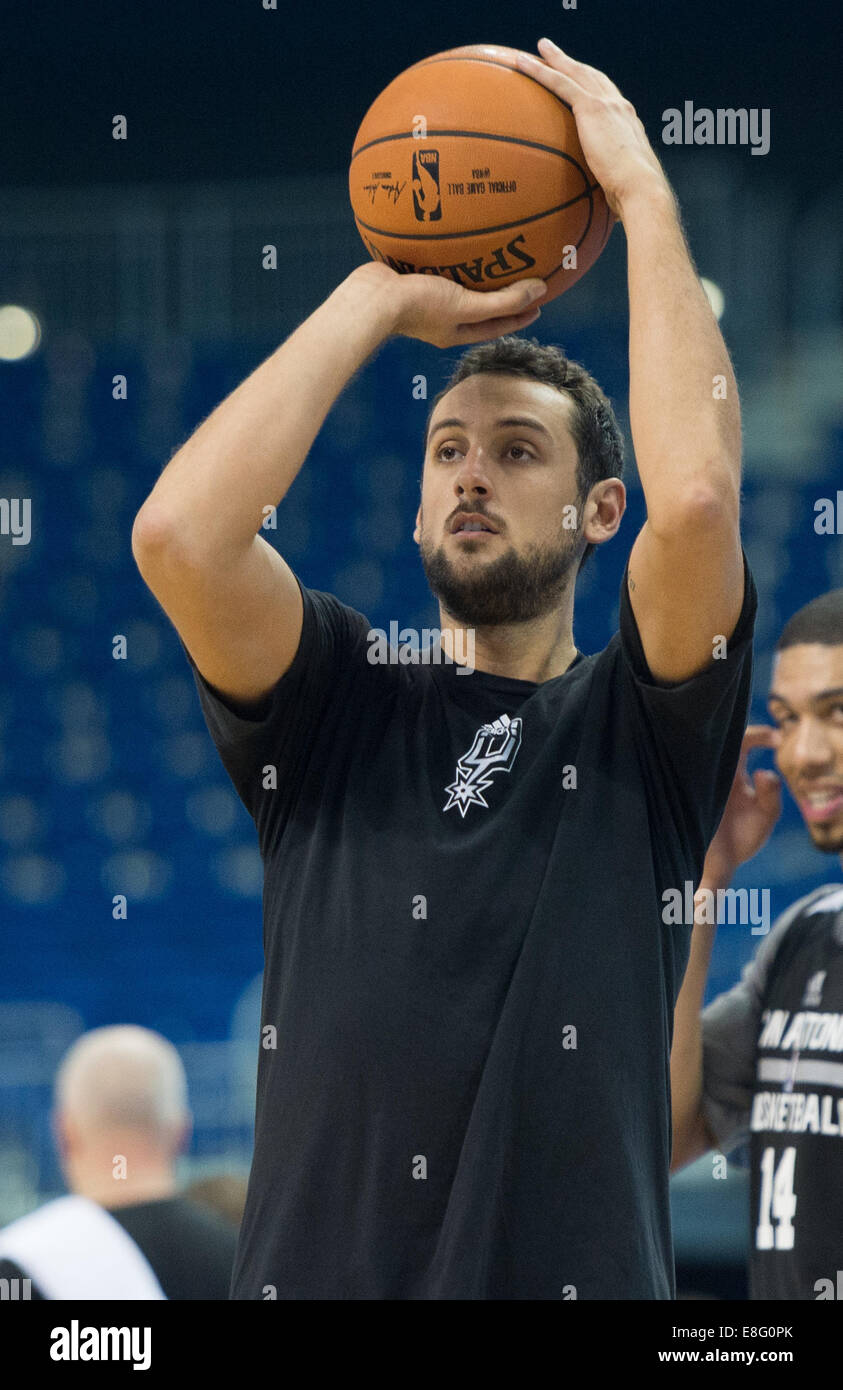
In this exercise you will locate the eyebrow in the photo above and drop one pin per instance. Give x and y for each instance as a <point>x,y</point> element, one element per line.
<point>833,693</point>
<point>522,421</point>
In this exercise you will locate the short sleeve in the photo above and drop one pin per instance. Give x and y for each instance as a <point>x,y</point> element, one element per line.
<point>730,1027</point>
<point>691,732</point>
<point>277,733</point>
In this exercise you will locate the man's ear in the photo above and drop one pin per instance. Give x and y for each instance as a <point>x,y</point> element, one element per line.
<point>417,529</point>
<point>183,1134</point>
<point>62,1129</point>
<point>605,506</point>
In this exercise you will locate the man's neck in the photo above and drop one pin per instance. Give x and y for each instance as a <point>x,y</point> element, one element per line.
<point>147,1188</point>
<point>535,651</point>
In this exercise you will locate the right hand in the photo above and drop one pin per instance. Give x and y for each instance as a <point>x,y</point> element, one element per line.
<point>752,810</point>
<point>439,311</point>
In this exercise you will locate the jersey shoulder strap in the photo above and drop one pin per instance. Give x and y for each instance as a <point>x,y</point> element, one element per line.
<point>789,931</point>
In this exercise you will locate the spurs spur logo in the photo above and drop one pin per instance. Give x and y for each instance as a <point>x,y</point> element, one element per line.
<point>494,749</point>
<point>812,998</point>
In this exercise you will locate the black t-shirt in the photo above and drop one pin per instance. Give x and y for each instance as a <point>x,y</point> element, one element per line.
<point>190,1249</point>
<point>463,1084</point>
<point>773,1072</point>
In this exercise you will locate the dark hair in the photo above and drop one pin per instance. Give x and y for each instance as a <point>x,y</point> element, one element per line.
<point>819,621</point>
<point>593,425</point>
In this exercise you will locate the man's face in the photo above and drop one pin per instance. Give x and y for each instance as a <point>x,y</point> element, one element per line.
<point>806,704</point>
<point>500,452</point>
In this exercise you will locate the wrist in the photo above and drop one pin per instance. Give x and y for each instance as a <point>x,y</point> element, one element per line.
<point>374,290</point>
<point>717,873</point>
<point>649,197</point>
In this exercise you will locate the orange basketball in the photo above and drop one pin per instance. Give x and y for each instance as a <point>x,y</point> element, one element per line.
<point>466,167</point>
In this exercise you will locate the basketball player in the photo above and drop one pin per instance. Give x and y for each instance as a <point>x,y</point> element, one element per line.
<point>766,1063</point>
<point>463,1086</point>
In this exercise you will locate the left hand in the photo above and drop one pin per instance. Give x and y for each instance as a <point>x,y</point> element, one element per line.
<point>613,139</point>
<point>753,807</point>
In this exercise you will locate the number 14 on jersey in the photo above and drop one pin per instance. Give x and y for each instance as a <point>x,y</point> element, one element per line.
<point>778,1201</point>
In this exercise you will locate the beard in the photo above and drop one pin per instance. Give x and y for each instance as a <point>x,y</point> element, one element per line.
<point>511,589</point>
<point>827,841</point>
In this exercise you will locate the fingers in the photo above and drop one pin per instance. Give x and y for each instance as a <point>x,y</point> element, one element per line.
<point>446,314</point>
<point>494,328</point>
<point>478,307</point>
<point>563,75</point>
<point>768,793</point>
<point>563,85</point>
<point>590,79</point>
<point>760,736</point>
<point>755,736</point>
<point>767,784</point>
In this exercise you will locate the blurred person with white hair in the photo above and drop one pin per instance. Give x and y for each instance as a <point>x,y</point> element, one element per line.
<point>120,1120</point>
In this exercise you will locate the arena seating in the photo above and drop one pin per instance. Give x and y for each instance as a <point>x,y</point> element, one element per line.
<point>110,783</point>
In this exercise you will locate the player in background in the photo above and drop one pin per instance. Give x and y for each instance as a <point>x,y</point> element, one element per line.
<point>764,1061</point>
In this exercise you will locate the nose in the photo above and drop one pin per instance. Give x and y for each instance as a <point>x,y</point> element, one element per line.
<point>810,748</point>
<point>472,478</point>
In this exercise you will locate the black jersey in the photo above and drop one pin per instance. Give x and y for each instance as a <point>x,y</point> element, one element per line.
<point>463,1086</point>
<point>773,1073</point>
<point>189,1251</point>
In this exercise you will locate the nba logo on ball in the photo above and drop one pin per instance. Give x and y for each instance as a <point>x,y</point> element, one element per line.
<point>427,198</point>
<point>500,186</point>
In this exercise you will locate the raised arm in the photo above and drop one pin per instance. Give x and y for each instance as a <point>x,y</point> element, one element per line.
<point>686,569</point>
<point>751,812</point>
<point>233,599</point>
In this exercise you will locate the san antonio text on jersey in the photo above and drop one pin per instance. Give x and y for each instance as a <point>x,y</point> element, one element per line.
<point>773,1073</point>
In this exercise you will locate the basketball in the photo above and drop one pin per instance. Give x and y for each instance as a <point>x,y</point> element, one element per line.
<point>466,167</point>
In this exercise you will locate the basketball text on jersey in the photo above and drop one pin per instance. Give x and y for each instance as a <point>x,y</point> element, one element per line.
<point>796,1113</point>
<point>796,1034</point>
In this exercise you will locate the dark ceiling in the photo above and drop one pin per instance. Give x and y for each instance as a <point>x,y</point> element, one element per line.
<point>224,88</point>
